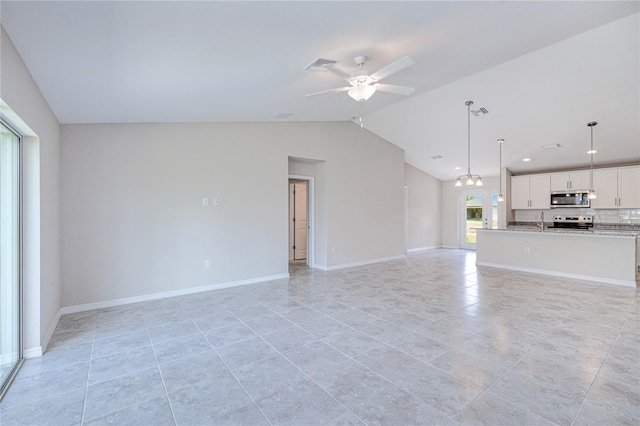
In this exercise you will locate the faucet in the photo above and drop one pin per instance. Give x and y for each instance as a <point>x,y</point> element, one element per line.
<point>541,223</point>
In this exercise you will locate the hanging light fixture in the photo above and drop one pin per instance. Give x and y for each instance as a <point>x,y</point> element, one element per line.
<point>592,193</point>
<point>500,196</point>
<point>469,178</point>
<point>362,92</point>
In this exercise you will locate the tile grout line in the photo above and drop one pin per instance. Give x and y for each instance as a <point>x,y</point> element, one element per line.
<point>164,386</point>
<point>503,374</point>
<point>294,365</point>
<point>86,389</point>
<point>586,396</point>
<point>231,371</point>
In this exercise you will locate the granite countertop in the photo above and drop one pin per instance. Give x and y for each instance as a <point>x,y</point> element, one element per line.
<point>623,231</point>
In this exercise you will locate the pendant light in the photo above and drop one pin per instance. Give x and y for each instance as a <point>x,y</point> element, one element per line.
<point>469,178</point>
<point>500,196</point>
<point>592,193</point>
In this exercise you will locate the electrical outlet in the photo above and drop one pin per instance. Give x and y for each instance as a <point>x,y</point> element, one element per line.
<point>527,250</point>
<point>51,289</point>
<point>333,249</point>
<point>207,263</point>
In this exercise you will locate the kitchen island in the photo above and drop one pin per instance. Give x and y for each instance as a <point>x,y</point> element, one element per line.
<point>603,256</point>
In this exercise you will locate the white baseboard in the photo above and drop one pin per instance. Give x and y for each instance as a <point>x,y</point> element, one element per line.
<point>321,267</point>
<point>418,249</point>
<point>450,247</point>
<point>560,274</point>
<point>163,295</point>
<point>32,352</point>
<point>52,328</point>
<point>364,262</point>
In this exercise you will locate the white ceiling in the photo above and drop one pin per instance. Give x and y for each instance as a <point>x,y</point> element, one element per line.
<point>177,61</point>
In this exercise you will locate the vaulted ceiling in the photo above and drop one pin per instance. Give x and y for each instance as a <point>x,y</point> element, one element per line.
<point>211,61</point>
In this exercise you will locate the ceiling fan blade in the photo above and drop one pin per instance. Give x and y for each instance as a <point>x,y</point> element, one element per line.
<point>398,90</point>
<point>324,92</point>
<point>393,68</point>
<point>339,72</point>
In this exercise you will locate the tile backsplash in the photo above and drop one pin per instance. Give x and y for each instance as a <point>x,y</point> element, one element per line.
<point>623,216</point>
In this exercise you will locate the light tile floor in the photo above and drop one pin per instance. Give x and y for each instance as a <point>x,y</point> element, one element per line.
<point>427,340</point>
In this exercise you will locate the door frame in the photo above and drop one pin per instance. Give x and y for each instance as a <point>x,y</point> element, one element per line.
<point>487,196</point>
<point>311,229</point>
<point>4,386</point>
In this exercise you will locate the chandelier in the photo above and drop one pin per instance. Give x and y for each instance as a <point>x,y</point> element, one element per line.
<point>469,178</point>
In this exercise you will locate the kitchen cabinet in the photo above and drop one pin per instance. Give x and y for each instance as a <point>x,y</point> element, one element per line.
<point>530,192</point>
<point>617,188</point>
<point>578,180</point>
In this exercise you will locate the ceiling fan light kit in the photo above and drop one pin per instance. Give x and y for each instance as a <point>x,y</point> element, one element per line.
<point>364,84</point>
<point>361,92</point>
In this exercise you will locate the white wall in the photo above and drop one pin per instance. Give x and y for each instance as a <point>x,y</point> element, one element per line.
<point>451,210</point>
<point>41,195</point>
<point>134,224</point>
<point>425,209</point>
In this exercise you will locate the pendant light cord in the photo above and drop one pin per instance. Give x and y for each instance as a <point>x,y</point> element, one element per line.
<point>469,103</point>
<point>591,174</point>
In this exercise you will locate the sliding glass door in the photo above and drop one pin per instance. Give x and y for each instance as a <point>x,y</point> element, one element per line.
<point>10,316</point>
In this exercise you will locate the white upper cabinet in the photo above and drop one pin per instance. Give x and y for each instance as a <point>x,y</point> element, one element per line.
<point>520,192</point>
<point>570,180</point>
<point>530,192</point>
<point>629,187</point>
<point>605,183</point>
<point>617,188</point>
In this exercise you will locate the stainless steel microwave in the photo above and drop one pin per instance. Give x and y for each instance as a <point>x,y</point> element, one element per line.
<point>570,199</point>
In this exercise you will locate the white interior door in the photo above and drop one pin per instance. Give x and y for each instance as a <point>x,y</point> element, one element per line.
<point>300,220</point>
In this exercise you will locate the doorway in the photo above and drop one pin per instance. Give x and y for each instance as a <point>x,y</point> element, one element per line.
<point>301,246</point>
<point>478,210</point>
<point>298,226</point>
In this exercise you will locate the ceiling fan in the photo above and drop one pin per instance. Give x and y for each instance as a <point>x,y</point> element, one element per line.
<point>364,84</point>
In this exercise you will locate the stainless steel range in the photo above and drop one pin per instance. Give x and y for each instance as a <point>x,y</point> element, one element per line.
<point>573,222</point>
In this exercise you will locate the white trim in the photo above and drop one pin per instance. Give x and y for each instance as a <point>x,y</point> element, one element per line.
<point>311,236</point>
<point>163,295</point>
<point>451,247</point>
<point>414,250</point>
<point>32,352</point>
<point>365,262</point>
<point>559,274</point>
<point>321,267</point>
<point>52,328</point>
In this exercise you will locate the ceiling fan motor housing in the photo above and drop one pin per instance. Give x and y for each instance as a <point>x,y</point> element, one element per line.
<point>361,77</point>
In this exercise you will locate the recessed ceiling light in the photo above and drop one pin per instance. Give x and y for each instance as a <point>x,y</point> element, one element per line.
<point>457,167</point>
<point>526,159</point>
<point>592,151</point>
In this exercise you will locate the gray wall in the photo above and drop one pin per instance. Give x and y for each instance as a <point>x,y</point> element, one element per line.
<point>134,224</point>
<point>40,195</point>
<point>425,210</point>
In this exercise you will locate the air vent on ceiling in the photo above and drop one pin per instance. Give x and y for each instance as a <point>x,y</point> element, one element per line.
<point>479,111</point>
<point>551,146</point>
<point>283,115</point>
<point>436,157</point>
<point>320,64</point>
